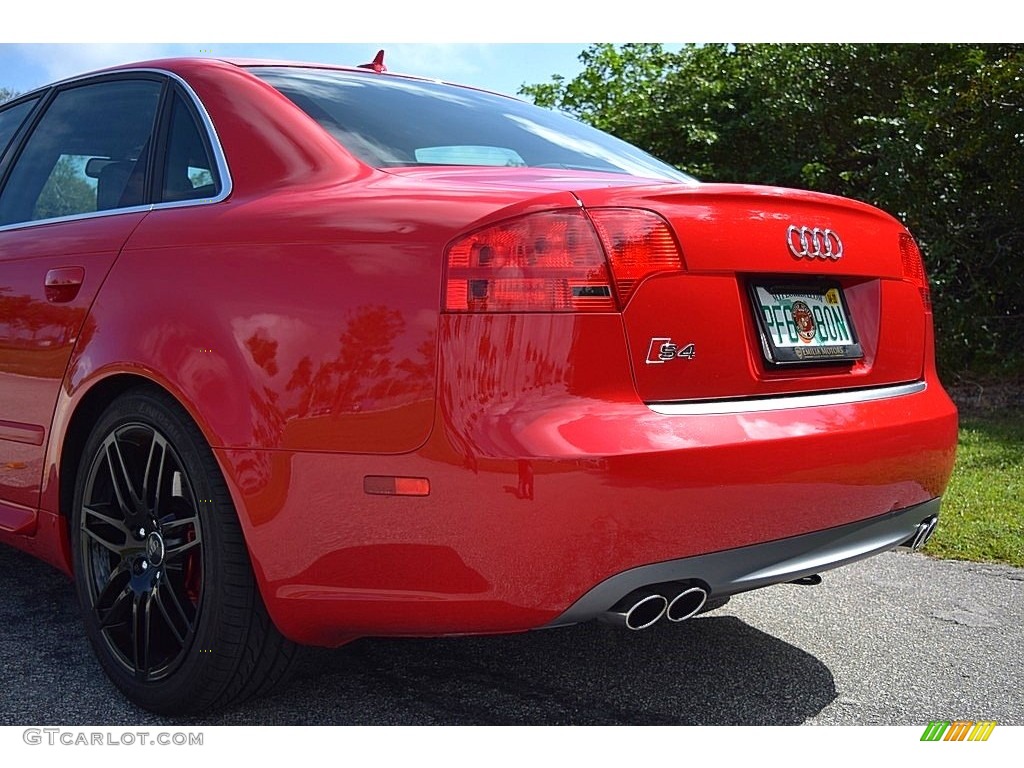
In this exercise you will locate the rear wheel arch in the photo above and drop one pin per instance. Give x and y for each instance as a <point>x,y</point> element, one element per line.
<point>248,655</point>
<point>87,413</point>
<point>83,419</point>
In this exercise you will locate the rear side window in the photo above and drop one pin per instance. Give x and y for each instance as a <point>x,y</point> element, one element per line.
<point>10,120</point>
<point>189,172</point>
<point>390,121</point>
<point>89,152</point>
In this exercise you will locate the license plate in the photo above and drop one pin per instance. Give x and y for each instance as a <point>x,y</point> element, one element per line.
<point>804,324</point>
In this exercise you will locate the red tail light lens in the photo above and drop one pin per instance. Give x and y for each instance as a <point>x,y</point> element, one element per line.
<point>913,268</point>
<point>544,262</point>
<point>555,262</point>
<point>638,243</point>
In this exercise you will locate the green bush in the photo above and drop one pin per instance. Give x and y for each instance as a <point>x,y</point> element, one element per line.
<point>934,134</point>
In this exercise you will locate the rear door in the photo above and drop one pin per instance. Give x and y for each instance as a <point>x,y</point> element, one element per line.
<point>74,183</point>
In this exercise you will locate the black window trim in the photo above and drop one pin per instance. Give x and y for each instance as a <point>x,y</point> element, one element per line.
<point>39,98</point>
<point>48,93</point>
<point>163,140</point>
<point>43,98</point>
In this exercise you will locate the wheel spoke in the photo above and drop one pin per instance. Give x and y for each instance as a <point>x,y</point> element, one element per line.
<point>173,553</point>
<point>152,495</point>
<point>111,521</point>
<point>126,497</point>
<point>168,589</point>
<point>174,524</point>
<point>179,545</point>
<point>113,585</point>
<point>140,635</point>
<point>117,614</point>
<point>110,545</point>
<point>159,600</point>
<point>102,537</point>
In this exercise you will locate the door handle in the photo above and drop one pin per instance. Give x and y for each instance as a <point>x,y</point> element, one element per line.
<point>63,284</point>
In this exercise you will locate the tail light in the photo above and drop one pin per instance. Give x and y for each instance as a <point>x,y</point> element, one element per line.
<point>913,268</point>
<point>542,262</point>
<point>638,244</point>
<point>556,262</point>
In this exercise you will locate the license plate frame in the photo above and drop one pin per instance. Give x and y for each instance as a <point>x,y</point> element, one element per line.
<point>824,313</point>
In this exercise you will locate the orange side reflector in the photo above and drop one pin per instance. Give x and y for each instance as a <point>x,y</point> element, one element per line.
<point>388,485</point>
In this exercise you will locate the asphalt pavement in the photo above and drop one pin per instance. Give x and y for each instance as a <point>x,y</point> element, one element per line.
<point>899,639</point>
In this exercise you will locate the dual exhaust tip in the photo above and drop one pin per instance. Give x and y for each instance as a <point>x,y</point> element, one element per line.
<point>644,608</point>
<point>924,531</point>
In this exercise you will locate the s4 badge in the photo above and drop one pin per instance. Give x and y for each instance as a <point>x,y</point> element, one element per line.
<point>661,350</point>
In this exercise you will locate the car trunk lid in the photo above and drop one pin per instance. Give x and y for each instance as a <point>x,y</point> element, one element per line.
<point>774,282</point>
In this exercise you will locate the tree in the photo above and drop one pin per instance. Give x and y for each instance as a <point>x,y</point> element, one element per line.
<point>66,192</point>
<point>6,94</point>
<point>934,134</point>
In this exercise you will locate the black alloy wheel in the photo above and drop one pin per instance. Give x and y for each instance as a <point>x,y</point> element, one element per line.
<point>142,551</point>
<point>162,572</point>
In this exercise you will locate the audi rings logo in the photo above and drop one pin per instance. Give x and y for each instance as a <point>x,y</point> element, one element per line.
<point>814,243</point>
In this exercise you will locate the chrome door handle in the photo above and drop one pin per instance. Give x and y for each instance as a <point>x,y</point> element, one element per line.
<point>63,284</point>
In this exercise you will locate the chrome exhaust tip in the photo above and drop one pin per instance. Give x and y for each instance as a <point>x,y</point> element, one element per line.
<point>925,529</point>
<point>639,615</point>
<point>686,604</point>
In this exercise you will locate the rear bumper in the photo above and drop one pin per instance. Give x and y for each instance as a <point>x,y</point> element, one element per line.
<point>760,565</point>
<point>537,497</point>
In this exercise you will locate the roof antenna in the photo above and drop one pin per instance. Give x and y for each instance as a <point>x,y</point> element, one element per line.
<point>377,65</point>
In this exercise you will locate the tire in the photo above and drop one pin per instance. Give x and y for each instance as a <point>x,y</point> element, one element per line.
<point>163,576</point>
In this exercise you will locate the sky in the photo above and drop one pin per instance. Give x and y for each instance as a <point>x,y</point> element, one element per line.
<point>499,47</point>
<point>496,67</point>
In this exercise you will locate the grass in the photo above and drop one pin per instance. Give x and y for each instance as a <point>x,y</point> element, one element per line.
<point>982,516</point>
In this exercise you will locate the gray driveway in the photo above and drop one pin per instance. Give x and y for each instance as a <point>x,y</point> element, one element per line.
<point>897,640</point>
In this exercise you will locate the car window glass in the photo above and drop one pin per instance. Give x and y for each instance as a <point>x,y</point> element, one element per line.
<point>189,170</point>
<point>88,152</point>
<point>10,120</point>
<point>392,121</point>
<point>497,156</point>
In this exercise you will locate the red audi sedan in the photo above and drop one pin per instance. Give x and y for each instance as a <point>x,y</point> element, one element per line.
<point>294,354</point>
